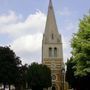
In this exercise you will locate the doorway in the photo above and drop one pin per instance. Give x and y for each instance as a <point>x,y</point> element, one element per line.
<point>53,88</point>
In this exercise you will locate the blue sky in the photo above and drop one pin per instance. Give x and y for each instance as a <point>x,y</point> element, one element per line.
<point>22,23</point>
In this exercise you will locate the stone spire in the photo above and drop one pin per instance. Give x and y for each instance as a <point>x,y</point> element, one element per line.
<point>51,26</point>
<point>51,34</point>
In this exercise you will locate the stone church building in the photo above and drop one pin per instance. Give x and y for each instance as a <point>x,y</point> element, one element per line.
<point>52,54</point>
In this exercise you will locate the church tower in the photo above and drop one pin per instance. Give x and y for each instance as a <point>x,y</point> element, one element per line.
<point>52,54</point>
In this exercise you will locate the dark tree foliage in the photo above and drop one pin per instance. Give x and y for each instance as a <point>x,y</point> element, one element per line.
<point>79,66</point>
<point>23,76</point>
<point>21,81</point>
<point>9,66</point>
<point>39,76</point>
<point>70,78</point>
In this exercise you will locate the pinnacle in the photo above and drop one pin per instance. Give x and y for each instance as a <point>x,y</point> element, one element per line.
<point>50,3</point>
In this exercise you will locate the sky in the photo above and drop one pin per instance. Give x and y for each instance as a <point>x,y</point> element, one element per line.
<point>22,24</point>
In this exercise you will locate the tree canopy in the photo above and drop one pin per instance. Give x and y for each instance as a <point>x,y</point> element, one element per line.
<point>39,76</point>
<point>70,73</point>
<point>81,47</point>
<point>9,66</point>
<point>12,72</point>
<point>78,66</point>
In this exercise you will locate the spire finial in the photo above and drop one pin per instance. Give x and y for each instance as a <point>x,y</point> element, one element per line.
<point>50,3</point>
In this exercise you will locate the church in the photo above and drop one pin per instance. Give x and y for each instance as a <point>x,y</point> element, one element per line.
<point>52,53</point>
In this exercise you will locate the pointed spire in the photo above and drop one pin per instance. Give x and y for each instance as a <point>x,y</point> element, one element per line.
<point>50,4</point>
<point>51,26</point>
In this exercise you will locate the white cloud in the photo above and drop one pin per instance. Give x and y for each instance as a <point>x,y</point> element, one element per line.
<point>8,18</point>
<point>26,34</point>
<point>28,43</point>
<point>28,47</point>
<point>32,24</point>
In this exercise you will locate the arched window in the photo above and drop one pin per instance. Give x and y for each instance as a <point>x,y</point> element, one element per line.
<point>50,52</point>
<point>55,52</point>
<point>52,36</point>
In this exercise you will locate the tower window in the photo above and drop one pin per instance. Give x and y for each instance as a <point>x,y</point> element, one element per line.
<point>52,36</point>
<point>50,52</point>
<point>55,52</point>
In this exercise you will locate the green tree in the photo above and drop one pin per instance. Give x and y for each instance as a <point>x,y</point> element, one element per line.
<point>81,47</point>
<point>9,66</point>
<point>78,67</point>
<point>39,76</point>
<point>23,76</point>
<point>70,78</point>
